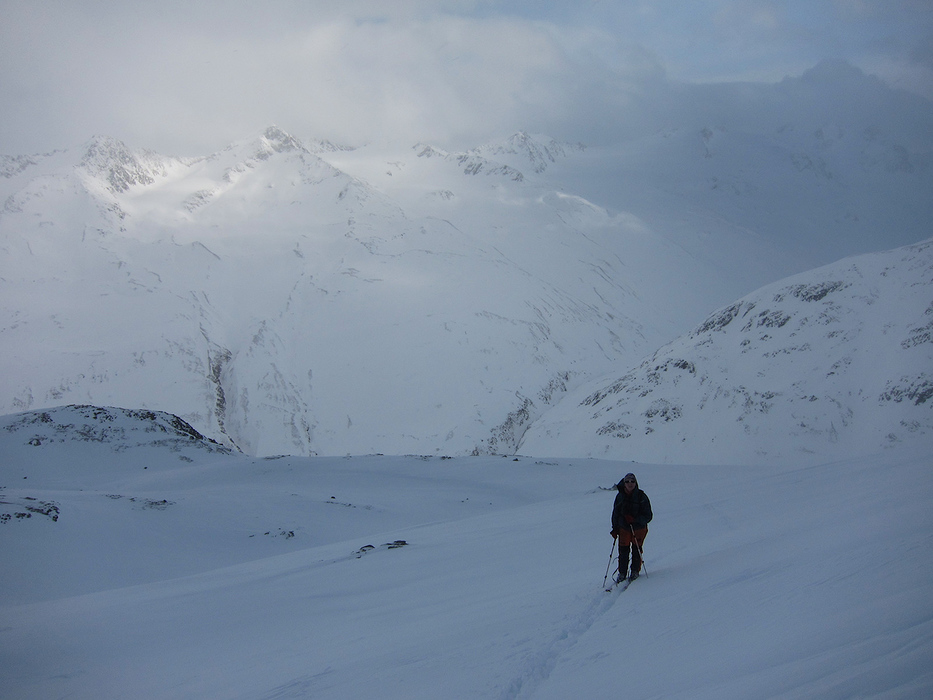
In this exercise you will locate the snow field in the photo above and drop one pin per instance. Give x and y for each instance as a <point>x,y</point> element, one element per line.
<point>762,582</point>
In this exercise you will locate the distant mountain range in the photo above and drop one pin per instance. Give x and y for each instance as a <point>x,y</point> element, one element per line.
<point>290,295</point>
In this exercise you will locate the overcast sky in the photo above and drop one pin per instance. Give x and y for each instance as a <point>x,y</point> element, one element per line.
<point>187,77</point>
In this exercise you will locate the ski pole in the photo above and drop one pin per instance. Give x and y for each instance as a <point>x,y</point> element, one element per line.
<point>641,552</point>
<point>611,552</point>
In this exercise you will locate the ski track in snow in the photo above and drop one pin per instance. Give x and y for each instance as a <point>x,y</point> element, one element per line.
<point>542,662</point>
<point>301,687</point>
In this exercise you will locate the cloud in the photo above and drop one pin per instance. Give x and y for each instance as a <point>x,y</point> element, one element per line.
<point>190,77</point>
<point>922,51</point>
<point>441,77</point>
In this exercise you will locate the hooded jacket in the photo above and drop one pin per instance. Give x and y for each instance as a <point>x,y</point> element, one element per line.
<point>635,504</point>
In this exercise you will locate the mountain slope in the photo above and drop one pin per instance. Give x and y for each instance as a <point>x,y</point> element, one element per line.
<point>281,305</point>
<point>823,365</point>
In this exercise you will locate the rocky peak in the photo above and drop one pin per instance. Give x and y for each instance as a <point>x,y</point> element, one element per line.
<point>281,141</point>
<point>110,159</point>
<point>116,427</point>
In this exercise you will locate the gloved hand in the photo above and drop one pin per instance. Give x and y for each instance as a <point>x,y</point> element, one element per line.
<point>614,533</point>
<point>630,519</point>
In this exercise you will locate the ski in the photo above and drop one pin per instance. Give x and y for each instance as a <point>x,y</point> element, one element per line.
<point>621,585</point>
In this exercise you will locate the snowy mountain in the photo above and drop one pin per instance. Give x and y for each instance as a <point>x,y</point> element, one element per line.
<point>290,295</point>
<point>828,364</point>
<point>282,305</point>
<point>140,560</point>
<point>118,428</point>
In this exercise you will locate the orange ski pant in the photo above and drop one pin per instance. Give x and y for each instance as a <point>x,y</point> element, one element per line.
<point>626,538</point>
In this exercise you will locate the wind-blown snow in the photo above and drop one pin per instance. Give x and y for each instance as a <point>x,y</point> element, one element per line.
<point>142,561</point>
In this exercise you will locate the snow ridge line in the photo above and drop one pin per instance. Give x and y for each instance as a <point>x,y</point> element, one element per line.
<point>542,663</point>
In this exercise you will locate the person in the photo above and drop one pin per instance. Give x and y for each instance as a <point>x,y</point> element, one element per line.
<point>631,513</point>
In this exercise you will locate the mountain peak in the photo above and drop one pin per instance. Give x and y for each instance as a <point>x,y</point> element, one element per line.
<point>272,141</point>
<point>838,76</point>
<point>834,71</point>
<point>281,141</point>
<point>539,149</point>
<point>110,159</point>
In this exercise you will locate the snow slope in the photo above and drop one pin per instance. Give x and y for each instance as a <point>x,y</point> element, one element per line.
<point>155,565</point>
<point>825,365</point>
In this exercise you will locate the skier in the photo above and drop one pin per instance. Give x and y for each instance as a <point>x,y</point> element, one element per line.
<point>631,513</point>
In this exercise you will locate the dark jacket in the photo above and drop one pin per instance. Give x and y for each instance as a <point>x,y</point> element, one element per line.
<point>635,505</point>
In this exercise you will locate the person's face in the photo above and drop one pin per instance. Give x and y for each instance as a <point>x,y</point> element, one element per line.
<point>629,485</point>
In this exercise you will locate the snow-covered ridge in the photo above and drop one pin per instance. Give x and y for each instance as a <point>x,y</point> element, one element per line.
<point>826,364</point>
<point>11,166</point>
<point>507,158</point>
<point>119,428</point>
<point>110,160</point>
<point>537,149</point>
